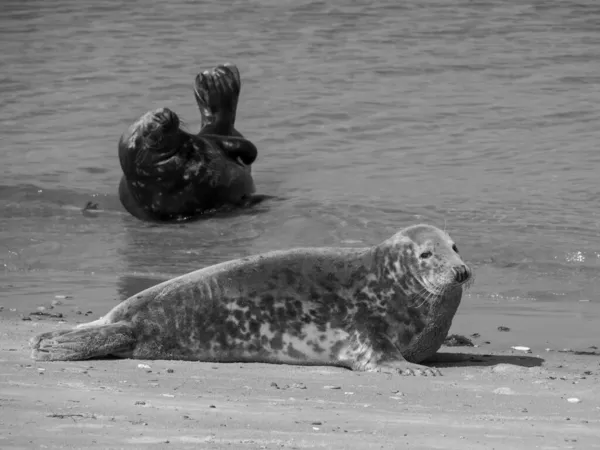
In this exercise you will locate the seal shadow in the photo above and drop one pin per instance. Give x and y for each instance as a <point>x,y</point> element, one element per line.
<point>448,359</point>
<point>253,205</point>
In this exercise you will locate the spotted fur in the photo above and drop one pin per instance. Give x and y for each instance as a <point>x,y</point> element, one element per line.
<point>373,308</point>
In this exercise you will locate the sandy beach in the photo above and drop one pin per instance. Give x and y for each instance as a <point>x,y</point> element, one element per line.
<point>489,397</point>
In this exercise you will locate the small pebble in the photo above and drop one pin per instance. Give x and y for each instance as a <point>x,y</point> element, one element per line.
<point>574,400</point>
<point>41,308</point>
<point>521,348</point>
<point>62,297</point>
<point>456,340</point>
<point>501,328</point>
<point>56,303</point>
<point>273,384</point>
<point>316,428</point>
<point>143,366</point>
<point>168,395</point>
<point>317,423</point>
<point>504,391</point>
<point>26,318</point>
<point>212,406</point>
<point>140,403</point>
<point>170,371</point>
<point>332,387</point>
<point>507,368</point>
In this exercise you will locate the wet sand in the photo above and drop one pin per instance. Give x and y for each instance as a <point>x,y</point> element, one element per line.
<point>489,396</point>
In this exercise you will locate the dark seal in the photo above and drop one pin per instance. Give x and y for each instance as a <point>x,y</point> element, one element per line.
<point>170,174</point>
<point>383,308</point>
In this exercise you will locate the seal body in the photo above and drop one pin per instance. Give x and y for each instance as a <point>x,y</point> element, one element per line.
<point>383,308</point>
<point>170,174</point>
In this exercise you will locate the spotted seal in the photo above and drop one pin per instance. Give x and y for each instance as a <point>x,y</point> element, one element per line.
<point>170,174</point>
<point>384,308</point>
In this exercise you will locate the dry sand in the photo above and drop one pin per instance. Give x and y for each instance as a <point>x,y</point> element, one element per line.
<point>489,397</point>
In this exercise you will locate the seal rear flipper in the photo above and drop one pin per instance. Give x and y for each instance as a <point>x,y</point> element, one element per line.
<point>115,339</point>
<point>217,92</point>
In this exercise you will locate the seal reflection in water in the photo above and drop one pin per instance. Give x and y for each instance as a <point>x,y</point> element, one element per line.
<point>383,308</point>
<point>170,174</point>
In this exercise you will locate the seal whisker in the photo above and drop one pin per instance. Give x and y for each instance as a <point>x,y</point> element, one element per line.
<point>183,124</point>
<point>426,296</point>
<point>468,283</point>
<point>435,287</point>
<point>427,299</point>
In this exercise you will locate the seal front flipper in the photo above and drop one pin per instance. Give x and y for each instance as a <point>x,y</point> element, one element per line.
<point>368,351</point>
<point>92,342</point>
<point>217,92</point>
<point>403,367</point>
<point>238,149</point>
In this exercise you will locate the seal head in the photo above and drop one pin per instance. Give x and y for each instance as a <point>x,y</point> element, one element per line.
<point>420,281</point>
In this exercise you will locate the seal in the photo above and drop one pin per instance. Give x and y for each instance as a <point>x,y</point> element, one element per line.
<point>170,174</point>
<point>384,308</point>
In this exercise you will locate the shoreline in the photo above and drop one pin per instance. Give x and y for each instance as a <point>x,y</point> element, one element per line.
<point>488,397</point>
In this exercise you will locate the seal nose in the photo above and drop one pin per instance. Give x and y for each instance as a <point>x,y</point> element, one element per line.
<point>462,273</point>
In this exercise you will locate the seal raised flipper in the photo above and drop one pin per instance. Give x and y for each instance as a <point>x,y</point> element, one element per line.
<point>217,92</point>
<point>115,339</point>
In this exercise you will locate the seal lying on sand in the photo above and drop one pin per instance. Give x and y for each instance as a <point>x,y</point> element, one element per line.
<point>169,174</point>
<point>383,308</point>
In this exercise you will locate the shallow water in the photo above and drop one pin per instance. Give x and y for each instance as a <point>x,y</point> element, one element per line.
<point>480,117</point>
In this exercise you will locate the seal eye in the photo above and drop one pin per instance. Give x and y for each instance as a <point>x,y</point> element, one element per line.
<point>455,248</point>
<point>425,255</point>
